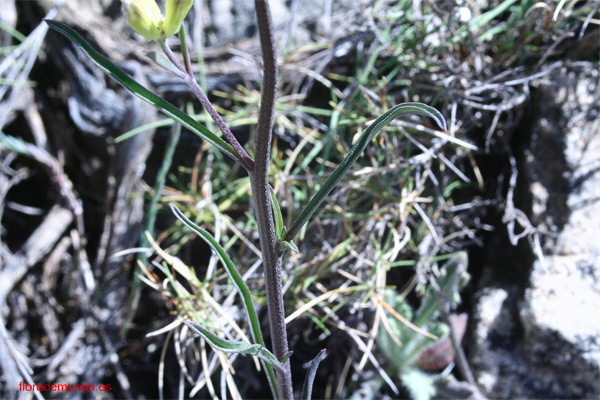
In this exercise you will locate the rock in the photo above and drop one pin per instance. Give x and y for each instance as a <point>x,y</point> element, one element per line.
<point>229,21</point>
<point>562,338</point>
<point>499,369</point>
<point>543,340</point>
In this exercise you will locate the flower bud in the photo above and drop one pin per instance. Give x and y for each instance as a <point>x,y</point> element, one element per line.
<point>144,17</point>
<point>175,13</point>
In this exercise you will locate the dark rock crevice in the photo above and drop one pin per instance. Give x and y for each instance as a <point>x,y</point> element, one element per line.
<point>525,326</point>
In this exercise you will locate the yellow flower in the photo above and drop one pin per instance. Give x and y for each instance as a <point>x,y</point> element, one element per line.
<point>144,17</point>
<point>175,13</point>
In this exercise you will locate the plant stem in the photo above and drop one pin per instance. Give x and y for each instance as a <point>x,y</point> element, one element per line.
<point>459,354</point>
<point>260,190</point>
<point>184,51</point>
<point>190,80</point>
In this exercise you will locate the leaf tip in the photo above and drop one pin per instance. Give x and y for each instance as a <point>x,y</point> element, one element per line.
<point>286,357</point>
<point>193,326</point>
<point>443,124</point>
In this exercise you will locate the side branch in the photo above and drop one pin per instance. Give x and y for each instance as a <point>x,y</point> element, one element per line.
<point>188,77</point>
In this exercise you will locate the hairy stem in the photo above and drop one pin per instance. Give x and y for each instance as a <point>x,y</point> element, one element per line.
<point>260,189</point>
<point>190,80</point>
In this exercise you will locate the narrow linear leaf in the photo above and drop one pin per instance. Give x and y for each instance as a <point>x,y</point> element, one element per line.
<point>230,346</point>
<point>278,218</point>
<point>137,89</point>
<point>286,357</point>
<point>236,279</point>
<point>356,151</point>
<point>310,375</point>
<point>229,267</point>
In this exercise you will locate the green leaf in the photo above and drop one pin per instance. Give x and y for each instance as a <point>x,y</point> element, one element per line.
<point>310,375</point>
<point>280,230</point>
<point>288,245</point>
<point>229,267</point>
<point>356,151</point>
<point>230,346</point>
<point>235,277</point>
<point>137,89</point>
<point>277,217</point>
<point>453,276</point>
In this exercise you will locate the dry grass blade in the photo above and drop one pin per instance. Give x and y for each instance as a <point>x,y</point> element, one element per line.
<point>321,299</point>
<point>16,68</point>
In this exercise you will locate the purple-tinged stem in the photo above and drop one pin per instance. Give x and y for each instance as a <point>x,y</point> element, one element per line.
<point>259,178</point>
<point>190,80</point>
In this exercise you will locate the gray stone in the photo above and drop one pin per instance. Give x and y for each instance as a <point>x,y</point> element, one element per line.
<point>499,370</point>
<point>543,340</point>
<point>562,304</point>
<point>228,21</point>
